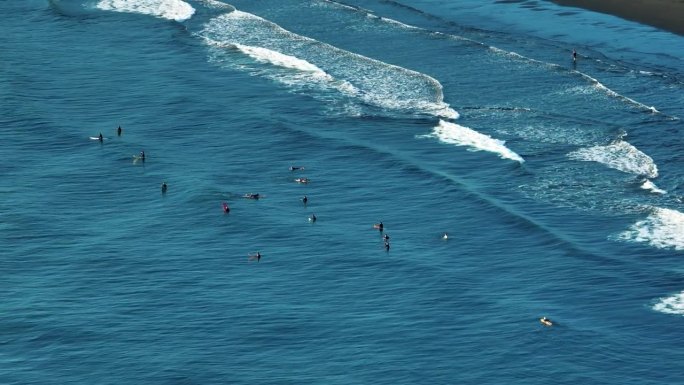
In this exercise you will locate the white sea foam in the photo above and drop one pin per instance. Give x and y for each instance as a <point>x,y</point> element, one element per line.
<point>286,61</point>
<point>463,136</point>
<point>648,185</point>
<point>216,4</point>
<point>619,155</point>
<point>663,228</point>
<point>599,86</point>
<point>372,81</point>
<point>671,305</point>
<point>166,9</point>
<point>595,83</point>
<point>298,72</point>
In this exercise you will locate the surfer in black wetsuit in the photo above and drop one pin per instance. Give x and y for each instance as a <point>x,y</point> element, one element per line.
<point>312,218</point>
<point>100,138</point>
<point>385,238</point>
<point>305,199</point>
<point>142,155</point>
<point>118,131</point>
<point>164,187</point>
<point>574,55</point>
<point>387,246</point>
<point>379,226</point>
<point>256,256</point>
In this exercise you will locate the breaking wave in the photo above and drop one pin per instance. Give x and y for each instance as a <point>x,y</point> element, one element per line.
<point>372,81</point>
<point>166,9</point>
<point>663,228</point>
<point>619,155</point>
<point>453,133</point>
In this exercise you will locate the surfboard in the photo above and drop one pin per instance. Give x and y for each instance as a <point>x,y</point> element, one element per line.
<point>96,138</point>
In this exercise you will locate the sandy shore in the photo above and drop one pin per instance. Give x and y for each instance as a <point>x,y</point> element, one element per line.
<point>664,14</point>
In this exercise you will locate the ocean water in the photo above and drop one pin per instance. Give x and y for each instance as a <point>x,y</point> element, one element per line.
<point>560,186</point>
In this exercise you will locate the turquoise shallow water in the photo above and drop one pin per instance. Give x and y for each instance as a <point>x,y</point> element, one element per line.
<point>559,185</point>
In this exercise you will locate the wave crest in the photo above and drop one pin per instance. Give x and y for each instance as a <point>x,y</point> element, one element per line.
<point>671,305</point>
<point>619,155</point>
<point>375,82</point>
<point>663,229</point>
<point>177,10</point>
<point>463,136</point>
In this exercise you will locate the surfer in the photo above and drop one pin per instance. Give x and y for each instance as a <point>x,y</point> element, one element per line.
<point>226,209</point>
<point>385,238</point>
<point>252,196</point>
<point>312,218</point>
<point>574,55</point>
<point>142,155</point>
<point>546,321</point>
<point>100,138</point>
<point>164,187</point>
<point>118,131</point>
<point>256,256</point>
<point>387,246</point>
<point>379,226</point>
<point>445,236</point>
<point>302,180</point>
<point>294,168</point>
<point>305,199</point>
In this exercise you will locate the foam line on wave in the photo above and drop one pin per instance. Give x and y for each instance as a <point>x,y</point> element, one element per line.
<point>177,10</point>
<point>453,133</point>
<point>619,155</point>
<point>297,72</point>
<point>673,304</point>
<point>593,81</point>
<point>376,83</point>
<point>663,229</point>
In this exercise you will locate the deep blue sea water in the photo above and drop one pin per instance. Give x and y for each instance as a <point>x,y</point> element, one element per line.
<point>560,186</point>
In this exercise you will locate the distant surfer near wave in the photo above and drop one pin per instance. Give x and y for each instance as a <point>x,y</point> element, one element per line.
<point>252,196</point>
<point>118,131</point>
<point>295,168</point>
<point>545,321</point>
<point>302,180</point>
<point>226,209</point>
<point>164,187</point>
<point>312,218</point>
<point>574,55</point>
<point>304,200</point>
<point>100,138</point>
<point>379,226</point>
<point>387,246</point>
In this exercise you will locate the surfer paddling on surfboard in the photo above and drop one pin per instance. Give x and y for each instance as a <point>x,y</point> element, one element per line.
<point>545,321</point>
<point>254,256</point>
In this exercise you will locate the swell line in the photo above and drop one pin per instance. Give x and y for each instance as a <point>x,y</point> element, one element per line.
<point>374,82</point>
